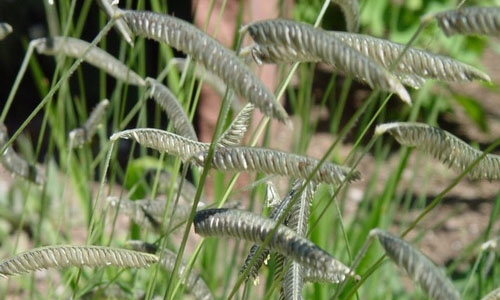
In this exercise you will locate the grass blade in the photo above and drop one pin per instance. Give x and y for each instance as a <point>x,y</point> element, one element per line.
<point>445,147</point>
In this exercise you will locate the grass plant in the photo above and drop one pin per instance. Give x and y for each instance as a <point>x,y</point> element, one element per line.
<point>315,240</point>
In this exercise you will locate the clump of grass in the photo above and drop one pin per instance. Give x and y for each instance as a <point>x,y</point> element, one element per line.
<point>302,238</point>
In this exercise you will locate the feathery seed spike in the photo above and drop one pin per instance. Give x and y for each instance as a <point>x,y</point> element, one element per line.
<point>111,9</point>
<point>84,134</point>
<point>468,21</point>
<point>210,53</point>
<point>208,77</point>
<point>254,228</point>
<point>277,211</point>
<point>435,284</point>
<point>150,213</point>
<point>297,220</point>
<point>171,106</point>
<point>180,146</point>
<point>280,40</point>
<point>415,64</point>
<point>97,57</point>
<point>493,295</point>
<point>5,30</point>
<point>491,244</point>
<point>17,165</point>
<point>274,162</point>
<point>162,140</point>
<point>235,132</point>
<point>64,256</point>
<point>445,147</point>
<point>350,8</point>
